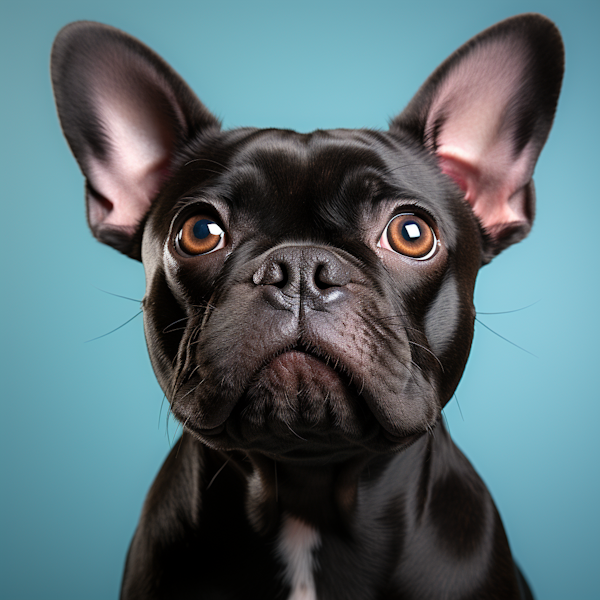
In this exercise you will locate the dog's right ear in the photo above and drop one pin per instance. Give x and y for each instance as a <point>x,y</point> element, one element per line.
<point>125,113</point>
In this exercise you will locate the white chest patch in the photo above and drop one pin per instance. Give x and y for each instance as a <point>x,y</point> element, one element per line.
<point>297,542</point>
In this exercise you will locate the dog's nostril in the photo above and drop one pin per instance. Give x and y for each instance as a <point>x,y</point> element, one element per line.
<point>282,279</point>
<point>321,279</point>
<point>329,274</point>
<point>275,273</point>
<point>300,271</point>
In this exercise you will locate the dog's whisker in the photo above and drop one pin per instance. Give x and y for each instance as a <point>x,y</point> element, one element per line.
<point>179,446</point>
<point>444,416</point>
<point>116,328</point>
<point>177,428</point>
<point>289,403</point>
<point>218,472</point>
<point>429,351</point>
<point>206,171</point>
<point>503,338</point>
<point>118,295</point>
<point>403,166</point>
<point>298,436</point>
<point>362,386</point>
<point>179,380</point>
<point>182,380</point>
<point>455,396</point>
<point>226,168</point>
<point>430,430</point>
<point>402,324</point>
<point>508,312</point>
<point>169,416</point>
<point>168,329</point>
<point>208,310</point>
<point>205,305</point>
<point>412,362</point>
<point>175,330</point>
<point>161,408</point>
<point>191,390</point>
<point>191,373</point>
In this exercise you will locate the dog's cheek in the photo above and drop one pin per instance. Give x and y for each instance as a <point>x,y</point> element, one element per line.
<point>443,317</point>
<point>164,324</point>
<point>177,296</point>
<point>449,331</point>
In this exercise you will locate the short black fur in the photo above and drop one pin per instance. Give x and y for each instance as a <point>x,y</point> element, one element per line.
<point>309,351</point>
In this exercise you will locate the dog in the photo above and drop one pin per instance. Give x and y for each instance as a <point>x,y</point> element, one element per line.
<point>308,314</point>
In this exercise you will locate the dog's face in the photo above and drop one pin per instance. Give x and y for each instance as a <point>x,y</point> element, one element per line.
<point>310,295</point>
<point>302,287</point>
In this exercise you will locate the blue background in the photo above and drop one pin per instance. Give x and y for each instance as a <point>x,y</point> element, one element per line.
<point>82,430</point>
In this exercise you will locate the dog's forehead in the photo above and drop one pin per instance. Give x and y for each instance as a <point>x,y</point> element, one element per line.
<point>308,151</point>
<point>330,178</point>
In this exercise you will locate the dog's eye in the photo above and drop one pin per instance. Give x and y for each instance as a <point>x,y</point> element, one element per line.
<point>409,235</point>
<point>200,235</point>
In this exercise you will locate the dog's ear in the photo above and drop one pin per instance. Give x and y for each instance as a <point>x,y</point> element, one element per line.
<point>125,113</point>
<point>486,113</point>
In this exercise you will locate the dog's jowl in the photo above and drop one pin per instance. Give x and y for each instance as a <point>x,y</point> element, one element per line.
<point>308,314</point>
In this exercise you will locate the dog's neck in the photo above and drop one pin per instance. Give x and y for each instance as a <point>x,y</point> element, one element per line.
<point>327,495</point>
<point>317,494</point>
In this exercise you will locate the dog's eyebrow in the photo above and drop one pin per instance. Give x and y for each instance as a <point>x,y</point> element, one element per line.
<point>204,197</point>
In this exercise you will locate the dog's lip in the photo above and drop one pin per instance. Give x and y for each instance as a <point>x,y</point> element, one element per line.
<point>307,350</point>
<point>327,366</point>
<point>336,367</point>
<point>211,431</point>
<point>404,439</point>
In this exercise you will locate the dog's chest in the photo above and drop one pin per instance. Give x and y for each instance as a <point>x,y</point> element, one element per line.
<point>296,546</point>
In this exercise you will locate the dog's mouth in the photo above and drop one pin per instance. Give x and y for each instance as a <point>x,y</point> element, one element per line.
<point>303,385</point>
<point>301,402</point>
<point>293,365</point>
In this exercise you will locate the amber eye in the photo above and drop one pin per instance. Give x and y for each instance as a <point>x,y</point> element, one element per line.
<point>200,235</point>
<point>409,235</point>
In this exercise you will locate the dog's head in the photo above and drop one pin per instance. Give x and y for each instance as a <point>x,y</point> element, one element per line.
<point>309,295</point>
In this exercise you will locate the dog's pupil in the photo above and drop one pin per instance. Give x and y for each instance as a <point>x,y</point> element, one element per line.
<point>201,229</point>
<point>411,231</point>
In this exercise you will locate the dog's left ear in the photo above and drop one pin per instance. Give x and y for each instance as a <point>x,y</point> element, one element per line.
<point>486,113</point>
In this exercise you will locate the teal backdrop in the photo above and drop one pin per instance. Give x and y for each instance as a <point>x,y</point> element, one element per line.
<point>83,429</point>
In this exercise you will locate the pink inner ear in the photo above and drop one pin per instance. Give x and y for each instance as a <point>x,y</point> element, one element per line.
<point>475,143</point>
<point>494,189</point>
<point>139,133</point>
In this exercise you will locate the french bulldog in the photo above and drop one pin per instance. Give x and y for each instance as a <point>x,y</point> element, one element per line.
<point>309,313</point>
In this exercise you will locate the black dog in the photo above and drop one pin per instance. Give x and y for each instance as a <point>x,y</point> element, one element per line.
<point>309,313</point>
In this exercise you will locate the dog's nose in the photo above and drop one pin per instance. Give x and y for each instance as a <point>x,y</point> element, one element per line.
<point>293,275</point>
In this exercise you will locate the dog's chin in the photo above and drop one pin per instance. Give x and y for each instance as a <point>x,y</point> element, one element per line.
<point>301,407</point>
